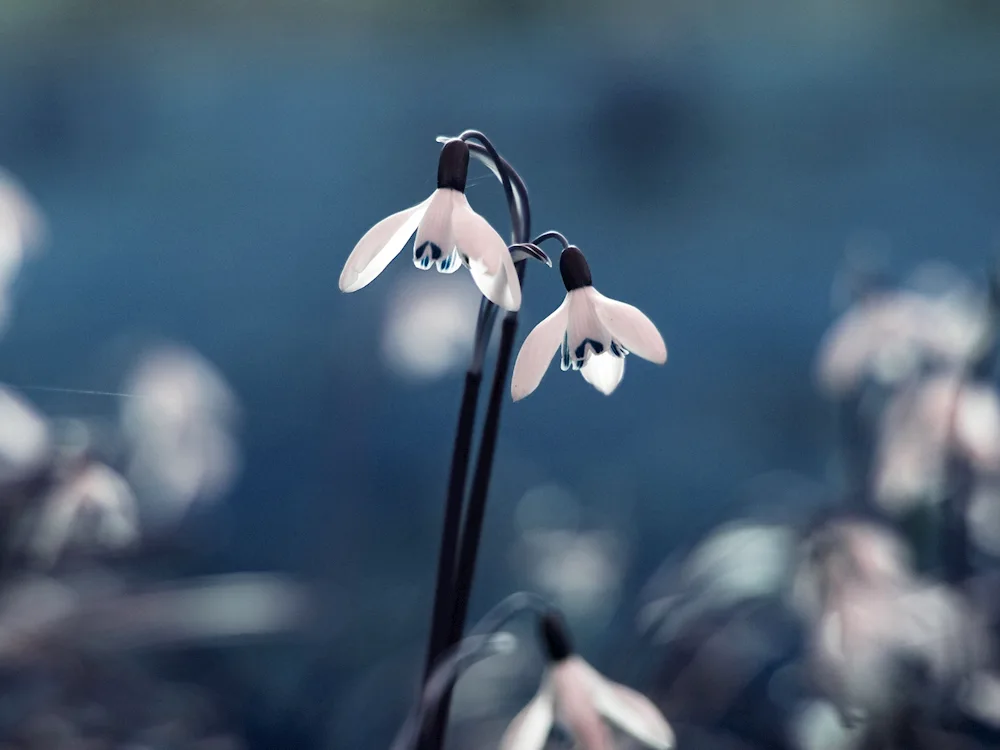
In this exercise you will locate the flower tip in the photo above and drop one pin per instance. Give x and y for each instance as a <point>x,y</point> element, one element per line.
<point>574,269</point>
<point>348,279</point>
<point>523,250</point>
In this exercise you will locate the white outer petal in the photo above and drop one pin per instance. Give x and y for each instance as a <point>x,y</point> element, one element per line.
<point>574,698</point>
<point>531,727</point>
<point>583,321</point>
<point>436,226</point>
<point>630,711</point>
<point>629,326</point>
<point>489,259</point>
<point>604,371</point>
<point>537,350</point>
<point>379,246</point>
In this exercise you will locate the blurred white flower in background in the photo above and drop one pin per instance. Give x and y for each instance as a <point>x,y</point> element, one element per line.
<point>92,506</point>
<point>25,439</point>
<point>888,335</point>
<point>179,424</point>
<point>879,636</point>
<point>98,612</point>
<point>430,327</point>
<point>581,571</point>
<point>22,230</point>
<point>922,427</point>
<point>817,726</point>
<point>738,562</point>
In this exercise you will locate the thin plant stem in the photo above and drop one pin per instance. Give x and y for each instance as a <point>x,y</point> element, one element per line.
<point>461,451</point>
<point>476,511</point>
<point>481,643</point>
<point>439,637</point>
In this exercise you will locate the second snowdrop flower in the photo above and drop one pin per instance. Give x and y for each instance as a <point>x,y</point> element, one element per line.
<point>581,699</point>
<point>449,235</point>
<point>594,332</point>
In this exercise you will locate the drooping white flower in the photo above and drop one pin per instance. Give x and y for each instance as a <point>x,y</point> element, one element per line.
<point>449,234</point>
<point>594,331</point>
<point>577,696</point>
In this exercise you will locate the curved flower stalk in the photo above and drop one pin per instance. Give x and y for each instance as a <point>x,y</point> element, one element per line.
<point>595,334</point>
<point>449,234</point>
<point>580,699</point>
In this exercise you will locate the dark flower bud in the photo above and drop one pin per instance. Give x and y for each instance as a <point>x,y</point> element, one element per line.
<point>555,636</point>
<point>453,165</point>
<point>574,269</point>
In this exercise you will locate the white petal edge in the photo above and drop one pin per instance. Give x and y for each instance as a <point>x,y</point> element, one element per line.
<point>537,351</point>
<point>380,244</point>
<point>630,327</point>
<point>631,711</point>
<point>531,727</point>
<point>604,371</point>
<point>489,259</point>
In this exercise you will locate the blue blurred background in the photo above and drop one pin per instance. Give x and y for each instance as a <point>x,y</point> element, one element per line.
<point>205,169</point>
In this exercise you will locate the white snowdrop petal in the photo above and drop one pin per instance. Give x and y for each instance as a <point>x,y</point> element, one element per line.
<point>379,246</point>
<point>530,728</point>
<point>488,257</point>
<point>630,327</point>
<point>537,350</point>
<point>585,334</point>
<point>434,240</point>
<point>604,371</point>
<point>575,707</point>
<point>633,713</point>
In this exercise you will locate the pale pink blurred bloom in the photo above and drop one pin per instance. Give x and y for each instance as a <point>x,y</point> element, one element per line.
<point>179,422</point>
<point>865,631</point>
<point>22,230</point>
<point>870,618</point>
<point>581,699</point>
<point>92,492</point>
<point>847,548</point>
<point>886,335</point>
<point>25,438</point>
<point>922,427</point>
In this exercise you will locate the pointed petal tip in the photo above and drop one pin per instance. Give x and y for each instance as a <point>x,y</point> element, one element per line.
<point>348,279</point>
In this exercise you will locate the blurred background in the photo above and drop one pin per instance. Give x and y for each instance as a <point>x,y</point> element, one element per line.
<point>201,170</point>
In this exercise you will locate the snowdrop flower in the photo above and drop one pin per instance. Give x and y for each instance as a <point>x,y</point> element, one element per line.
<point>595,334</point>
<point>575,694</point>
<point>449,234</point>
